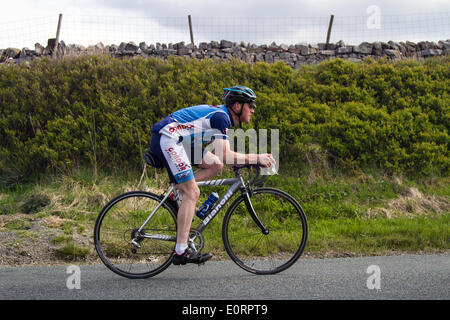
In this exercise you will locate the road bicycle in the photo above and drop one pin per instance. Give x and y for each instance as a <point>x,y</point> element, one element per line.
<point>264,230</point>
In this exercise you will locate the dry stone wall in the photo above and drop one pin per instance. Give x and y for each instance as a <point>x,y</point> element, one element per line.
<point>294,55</point>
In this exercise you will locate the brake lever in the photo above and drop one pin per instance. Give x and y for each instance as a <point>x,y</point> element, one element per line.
<point>255,181</point>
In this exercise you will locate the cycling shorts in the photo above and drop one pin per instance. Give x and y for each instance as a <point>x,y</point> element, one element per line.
<point>176,156</point>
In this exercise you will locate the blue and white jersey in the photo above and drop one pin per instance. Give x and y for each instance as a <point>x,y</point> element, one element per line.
<point>201,123</point>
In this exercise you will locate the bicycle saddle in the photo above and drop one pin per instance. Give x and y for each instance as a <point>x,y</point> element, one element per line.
<point>152,160</point>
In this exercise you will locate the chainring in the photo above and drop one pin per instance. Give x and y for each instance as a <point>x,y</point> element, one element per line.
<point>196,241</point>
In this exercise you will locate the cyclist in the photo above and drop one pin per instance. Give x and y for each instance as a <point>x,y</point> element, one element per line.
<point>197,124</point>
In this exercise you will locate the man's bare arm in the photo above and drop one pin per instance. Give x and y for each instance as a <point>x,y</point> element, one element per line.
<point>223,151</point>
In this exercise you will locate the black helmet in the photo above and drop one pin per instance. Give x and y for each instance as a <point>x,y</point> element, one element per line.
<point>238,94</point>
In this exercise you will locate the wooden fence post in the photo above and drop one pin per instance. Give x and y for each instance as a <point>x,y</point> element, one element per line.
<point>190,29</point>
<point>329,31</point>
<point>55,49</point>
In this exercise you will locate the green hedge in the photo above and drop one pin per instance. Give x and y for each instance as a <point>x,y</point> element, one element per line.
<point>98,111</point>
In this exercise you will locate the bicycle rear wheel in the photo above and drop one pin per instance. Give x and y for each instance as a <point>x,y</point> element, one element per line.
<point>269,253</point>
<point>117,225</point>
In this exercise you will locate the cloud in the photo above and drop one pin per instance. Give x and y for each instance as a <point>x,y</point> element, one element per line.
<point>288,21</point>
<point>255,21</point>
<point>270,8</point>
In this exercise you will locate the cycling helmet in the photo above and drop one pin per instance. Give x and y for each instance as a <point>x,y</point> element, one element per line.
<point>238,94</point>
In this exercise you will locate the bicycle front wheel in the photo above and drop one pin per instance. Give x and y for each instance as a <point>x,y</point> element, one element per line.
<point>117,226</point>
<point>265,253</point>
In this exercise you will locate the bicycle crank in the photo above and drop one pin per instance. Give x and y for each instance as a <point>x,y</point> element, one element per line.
<point>196,241</point>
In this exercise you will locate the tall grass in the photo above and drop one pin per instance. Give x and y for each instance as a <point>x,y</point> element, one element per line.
<point>339,208</point>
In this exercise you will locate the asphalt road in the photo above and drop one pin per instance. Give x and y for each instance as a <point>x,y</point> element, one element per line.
<point>406,277</point>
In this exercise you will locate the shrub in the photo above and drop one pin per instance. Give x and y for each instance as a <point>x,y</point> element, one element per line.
<point>35,203</point>
<point>98,111</point>
<point>71,251</point>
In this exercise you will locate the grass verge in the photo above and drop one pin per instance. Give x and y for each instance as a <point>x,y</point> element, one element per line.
<point>367,213</point>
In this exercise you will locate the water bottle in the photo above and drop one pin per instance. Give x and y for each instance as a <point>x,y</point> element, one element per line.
<point>208,204</point>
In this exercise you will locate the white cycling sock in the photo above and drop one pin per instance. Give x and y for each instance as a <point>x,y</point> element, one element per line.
<point>180,248</point>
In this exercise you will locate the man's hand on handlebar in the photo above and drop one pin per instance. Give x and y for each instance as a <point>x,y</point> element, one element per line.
<point>265,160</point>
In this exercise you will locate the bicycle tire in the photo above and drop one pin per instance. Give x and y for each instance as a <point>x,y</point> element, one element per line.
<point>243,239</point>
<point>114,229</point>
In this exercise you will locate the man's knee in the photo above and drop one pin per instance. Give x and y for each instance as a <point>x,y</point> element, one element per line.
<point>189,190</point>
<point>217,167</point>
<point>212,162</point>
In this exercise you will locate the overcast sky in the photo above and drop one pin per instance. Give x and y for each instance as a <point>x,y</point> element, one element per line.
<point>22,23</point>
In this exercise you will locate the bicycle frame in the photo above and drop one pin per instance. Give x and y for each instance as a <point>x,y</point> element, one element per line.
<point>236,184</point>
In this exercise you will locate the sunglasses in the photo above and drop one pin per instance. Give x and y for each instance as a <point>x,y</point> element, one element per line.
<point>251,105</point>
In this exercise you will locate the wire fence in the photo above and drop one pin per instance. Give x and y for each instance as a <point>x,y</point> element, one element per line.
<point>92,29</point>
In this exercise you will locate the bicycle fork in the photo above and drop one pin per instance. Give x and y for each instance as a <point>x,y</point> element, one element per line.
<point>252,212</point>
